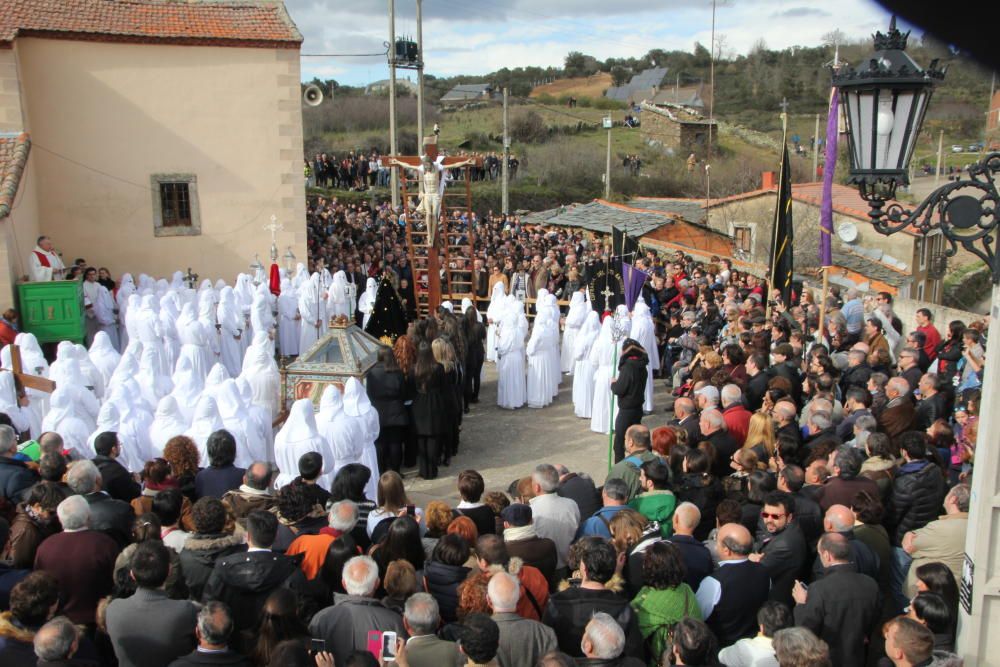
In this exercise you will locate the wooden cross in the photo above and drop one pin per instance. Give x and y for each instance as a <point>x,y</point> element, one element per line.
<point>27,380</point>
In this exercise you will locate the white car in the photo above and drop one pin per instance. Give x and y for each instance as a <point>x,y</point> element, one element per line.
<point>956,149</point>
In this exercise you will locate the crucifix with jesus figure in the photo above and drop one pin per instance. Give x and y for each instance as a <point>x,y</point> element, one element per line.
<point>431,173</point>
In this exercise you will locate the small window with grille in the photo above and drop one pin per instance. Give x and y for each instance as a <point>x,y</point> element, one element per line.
<point>175,205</point>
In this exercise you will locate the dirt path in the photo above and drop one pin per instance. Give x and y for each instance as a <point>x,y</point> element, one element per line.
<point>506,444</point>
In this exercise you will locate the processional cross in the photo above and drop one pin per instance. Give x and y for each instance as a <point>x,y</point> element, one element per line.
<point>274,227</point>
<point>26,380</point>
<point>431,169</point>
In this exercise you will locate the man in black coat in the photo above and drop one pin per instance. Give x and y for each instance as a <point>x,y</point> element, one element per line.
<point>630,388</point>
<point>686,417</point>
<point>909,367</point>
<point>843,607</point>
<point>112,517</point>
<point>697,558</point>
<point>215,626</point>
<point>808,515</point>
<point>713,429</point>
<point>759,376</point>
<point>932,404</point>
<point>785,367</point>
<point>116,480</point>
<point>579,488</point>
<point>781,547</point>
<point>245,580</point>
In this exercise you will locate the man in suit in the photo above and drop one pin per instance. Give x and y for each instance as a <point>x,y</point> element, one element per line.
<point>932,404</point>
<point>129,619</point>
<point>423,649</point>
<point>842,607</point>
<point>899,415</point>
<point>845,464</point>
<point>480,280</point>
<point>112,517</point>
<point>713,428</point>
<point>781,549</point>
<point>213,629</point>
<point>522,640</point>
<point>686,418</point>
<point>115,479</point>
<point>808,514</point>
<point>244,580</point>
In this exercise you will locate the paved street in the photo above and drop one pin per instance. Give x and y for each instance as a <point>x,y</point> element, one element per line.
<point>506,444</point>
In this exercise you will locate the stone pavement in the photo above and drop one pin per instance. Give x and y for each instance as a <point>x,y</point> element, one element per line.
<point>504,445</point>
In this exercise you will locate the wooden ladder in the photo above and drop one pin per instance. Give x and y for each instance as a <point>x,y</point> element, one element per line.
<point>454,243</point>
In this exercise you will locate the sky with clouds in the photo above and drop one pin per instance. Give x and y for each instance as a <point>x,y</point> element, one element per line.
<point>481,36</point>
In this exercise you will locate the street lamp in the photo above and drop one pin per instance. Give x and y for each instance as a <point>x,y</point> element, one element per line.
<point>885,101</point>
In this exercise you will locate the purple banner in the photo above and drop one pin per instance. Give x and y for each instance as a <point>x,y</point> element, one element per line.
<point>829,167</point>
<point>634,279</point>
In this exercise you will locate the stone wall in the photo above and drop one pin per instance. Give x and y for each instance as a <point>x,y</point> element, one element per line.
<point>906,310</point>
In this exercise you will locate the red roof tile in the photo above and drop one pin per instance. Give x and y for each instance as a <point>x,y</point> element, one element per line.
<point>263,23</point>
<point>13,157</point>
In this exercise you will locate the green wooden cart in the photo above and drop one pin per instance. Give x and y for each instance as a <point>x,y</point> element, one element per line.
<point>53,311</point>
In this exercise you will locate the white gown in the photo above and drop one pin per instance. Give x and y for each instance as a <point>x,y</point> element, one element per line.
<point>259,417</point>
<point>126,288</point>
<point>494,311</point>
<point>602,359</point>
<point>261,373</point>
<point>310,308</point>
<point>578,309</point>
<point>170,311</point>
<point>358,409</point>
<point>343,438</point>
<point>337,301</point>
<point>133,427</point>
<point>231,325</point>
<point>206,422</point>
<point>207,316</point>
<point>367,301</point>
<point>552,354</point>
<point>168,421</point>
<point>298,436</point>
<point>104,356</point>
<point>583,369</point>
<point>153,384</point>
<point>188,386</point>
<point>511,381</point>
<point>644,332</point>
<point>539,383</point>
<point>289,324</point>
<point>250,446</point>
<point>104,311</point>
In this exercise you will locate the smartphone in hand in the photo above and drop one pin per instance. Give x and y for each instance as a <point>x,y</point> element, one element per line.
<point>389,645</point>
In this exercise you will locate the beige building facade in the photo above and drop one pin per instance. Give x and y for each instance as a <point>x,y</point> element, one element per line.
<point>157,152</point>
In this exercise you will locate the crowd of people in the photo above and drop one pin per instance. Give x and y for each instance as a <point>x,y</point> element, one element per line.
<point>361,171</point>
<point>806,506</point>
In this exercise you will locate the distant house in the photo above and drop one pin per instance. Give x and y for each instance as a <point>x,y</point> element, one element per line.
<point>640,87</point>
<point>381,87</point>
<point>908,264</point>
<point>677,128</point>
<point>468,92</point>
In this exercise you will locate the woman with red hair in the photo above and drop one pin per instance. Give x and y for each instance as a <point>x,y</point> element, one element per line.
<point>664,438</point>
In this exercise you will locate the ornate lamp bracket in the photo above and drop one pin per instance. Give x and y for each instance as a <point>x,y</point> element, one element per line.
<point>965,211</point>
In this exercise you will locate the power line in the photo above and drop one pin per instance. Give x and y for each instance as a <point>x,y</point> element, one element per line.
<point>344,55</point>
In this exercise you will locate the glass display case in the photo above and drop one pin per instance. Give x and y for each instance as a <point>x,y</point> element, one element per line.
<point>345,351</point>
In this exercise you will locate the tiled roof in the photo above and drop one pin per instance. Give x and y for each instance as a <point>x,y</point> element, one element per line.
<point>13,156</point>
<point>228,23</point>
<point>846,200</point>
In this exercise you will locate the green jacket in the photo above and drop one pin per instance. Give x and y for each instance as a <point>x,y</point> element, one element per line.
<point>657,506</point>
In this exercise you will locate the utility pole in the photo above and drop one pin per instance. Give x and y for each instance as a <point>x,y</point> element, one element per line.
<point>711,86</point>
<point>393,173</point>
<point>607,168</point>
<point>420,75</point>
<point>937,169</point>
<point>815,149</point>
<point>505,165</point>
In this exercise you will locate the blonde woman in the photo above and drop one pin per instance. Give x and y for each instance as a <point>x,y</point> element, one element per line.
<point>760,436</point>
<point>444,354</point>
<point>392,501</point>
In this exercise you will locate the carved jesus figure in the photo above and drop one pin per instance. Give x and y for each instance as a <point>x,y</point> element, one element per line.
<point>432,179</point>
